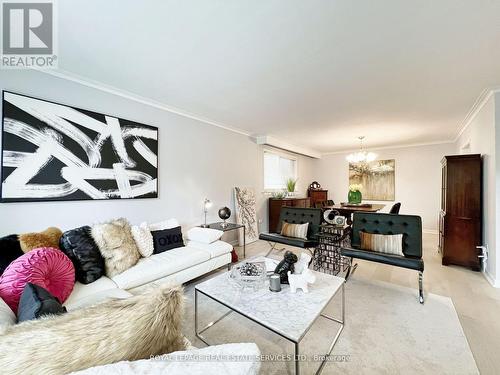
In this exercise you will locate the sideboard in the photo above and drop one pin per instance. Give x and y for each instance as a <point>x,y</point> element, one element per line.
<point>275,208</point>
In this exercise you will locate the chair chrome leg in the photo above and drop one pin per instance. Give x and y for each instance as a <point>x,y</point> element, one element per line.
<point>350,269</point>
<point>421,286</point>
<point>273,247</point>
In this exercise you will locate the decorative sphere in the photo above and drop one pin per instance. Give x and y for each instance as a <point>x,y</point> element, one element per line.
<point>224,213</point>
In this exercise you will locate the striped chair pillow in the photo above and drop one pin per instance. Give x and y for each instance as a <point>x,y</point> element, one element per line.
<point>294,230</point>
<point>382,243</point>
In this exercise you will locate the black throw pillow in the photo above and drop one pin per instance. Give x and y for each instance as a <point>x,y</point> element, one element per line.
<point>167,239</point>
<point>10,250</point>
<point>80,247</point>
<point>36,302</point>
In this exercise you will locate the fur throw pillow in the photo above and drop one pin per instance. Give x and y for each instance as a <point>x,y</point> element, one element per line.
<point>48,238</point>
<point>117,246</point>
<point>143,239</point>
<point>127,329</point>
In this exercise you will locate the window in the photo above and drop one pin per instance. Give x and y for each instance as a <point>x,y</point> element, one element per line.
<point>277,169</point>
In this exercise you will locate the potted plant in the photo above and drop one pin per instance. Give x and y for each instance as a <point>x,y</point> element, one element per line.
<point>290,186</point>
<point>355,196</point>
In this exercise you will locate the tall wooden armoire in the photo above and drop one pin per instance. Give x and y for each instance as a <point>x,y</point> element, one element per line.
<point>460,224</point>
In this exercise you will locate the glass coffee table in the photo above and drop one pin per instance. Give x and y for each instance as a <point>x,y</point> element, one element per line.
<point>286,314</point>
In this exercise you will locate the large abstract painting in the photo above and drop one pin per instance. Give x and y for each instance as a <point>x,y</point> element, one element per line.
<point>55,152</point>
<point>376,179</point>
<point>246,213</point>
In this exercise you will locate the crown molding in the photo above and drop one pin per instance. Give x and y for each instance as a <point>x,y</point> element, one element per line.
<point>277,143</point>
<point>478,105</point>
<point>137,98</point>
<point>407,145</point>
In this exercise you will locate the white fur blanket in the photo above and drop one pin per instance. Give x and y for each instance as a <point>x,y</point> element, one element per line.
<point>228,359</point>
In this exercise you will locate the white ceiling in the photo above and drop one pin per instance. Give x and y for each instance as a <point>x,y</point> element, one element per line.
<point>315,73</point>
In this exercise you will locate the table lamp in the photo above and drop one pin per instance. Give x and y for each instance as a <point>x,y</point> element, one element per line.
<point>206,205</point>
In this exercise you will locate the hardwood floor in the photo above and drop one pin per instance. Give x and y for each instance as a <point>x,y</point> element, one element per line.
<point>476,301</point>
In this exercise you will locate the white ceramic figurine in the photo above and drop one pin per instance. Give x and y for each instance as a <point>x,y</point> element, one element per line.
<point>300,281</point>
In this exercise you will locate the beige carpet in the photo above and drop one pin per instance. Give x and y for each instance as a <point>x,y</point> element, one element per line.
<point>387,332</point>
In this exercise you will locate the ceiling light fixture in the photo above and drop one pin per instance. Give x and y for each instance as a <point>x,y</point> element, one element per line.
<point>361,156</point>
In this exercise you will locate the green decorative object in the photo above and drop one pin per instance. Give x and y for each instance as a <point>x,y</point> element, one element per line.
<point>354,196</point>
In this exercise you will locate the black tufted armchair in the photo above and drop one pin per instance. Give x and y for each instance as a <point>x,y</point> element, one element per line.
<point>408,225</point>
<point>296,215</point>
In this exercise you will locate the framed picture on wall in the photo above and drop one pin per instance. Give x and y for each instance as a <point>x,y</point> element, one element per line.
<point>54,152</point>
<point>377,179</point>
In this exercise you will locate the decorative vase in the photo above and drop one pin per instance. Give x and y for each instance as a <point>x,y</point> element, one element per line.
<point>354,197</point>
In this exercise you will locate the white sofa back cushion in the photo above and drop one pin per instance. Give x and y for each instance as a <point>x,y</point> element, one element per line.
<point>7,316</point>
<point>204,235</point>
<point>165,224</point>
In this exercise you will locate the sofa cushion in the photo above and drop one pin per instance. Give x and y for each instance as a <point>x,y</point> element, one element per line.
<point>116,245</point>
<point>294,230</point>
<point>82,291</point>
<point>143,239</point>
<point>188,362</point>
<point>81,248</point>
<point>167,239</point>
<point>36,302</point>
<point>165,224</point>
<point>160,265</point>
<point>96,298</point>
<point>7,316</point>
<point>48,238</point>
<point>10,250</point>
<point>215,249</point>
<point>48,267</point>
<point>204,235</point>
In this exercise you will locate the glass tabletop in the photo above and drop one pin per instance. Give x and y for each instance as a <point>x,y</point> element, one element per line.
<point>228,226</point>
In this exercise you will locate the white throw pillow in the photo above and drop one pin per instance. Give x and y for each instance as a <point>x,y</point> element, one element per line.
<point>143,238</point>
<point>204,235</point>
<point>7,316</point>
<point>165,224</point>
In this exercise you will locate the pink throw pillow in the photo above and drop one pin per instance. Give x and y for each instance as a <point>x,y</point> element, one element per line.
<point>47,267</point>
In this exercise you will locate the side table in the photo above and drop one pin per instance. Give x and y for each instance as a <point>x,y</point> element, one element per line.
<point>228,227</point>
<point>327,257</point>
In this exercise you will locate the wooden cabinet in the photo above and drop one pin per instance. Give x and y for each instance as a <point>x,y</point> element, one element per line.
<point>275,209</point>
<point>317,196</point>
<point>460,219</point>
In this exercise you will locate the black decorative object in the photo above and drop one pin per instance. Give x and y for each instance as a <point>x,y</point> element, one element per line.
<point>315,185</point>
<point>54,152</point>
<point>224,214</point>
<point>287,264</point>
<point>36,302</point>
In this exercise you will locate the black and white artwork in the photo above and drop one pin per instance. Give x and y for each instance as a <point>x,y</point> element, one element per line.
<point>56,152</point>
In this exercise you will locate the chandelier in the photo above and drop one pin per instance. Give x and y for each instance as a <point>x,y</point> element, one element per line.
<point>361,156</point>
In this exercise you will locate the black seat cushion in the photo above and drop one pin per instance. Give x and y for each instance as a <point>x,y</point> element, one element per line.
<point>393,260</point>
<point>10,250</point>
<point>292,241</point>
<point>80,247</point>
<point>36,302</point>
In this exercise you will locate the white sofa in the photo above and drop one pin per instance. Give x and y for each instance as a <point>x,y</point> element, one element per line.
<point>177,266</point>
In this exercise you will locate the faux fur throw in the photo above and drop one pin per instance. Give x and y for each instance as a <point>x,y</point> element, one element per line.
<point>127,329</point>
<point>48,238</point>
<point>117,246</point>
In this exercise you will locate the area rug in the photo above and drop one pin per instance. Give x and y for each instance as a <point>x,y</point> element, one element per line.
<point>387,332</point>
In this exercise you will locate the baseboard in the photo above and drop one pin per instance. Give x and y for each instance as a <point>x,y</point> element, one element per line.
<point>430,231</point>
<point>494,283</point>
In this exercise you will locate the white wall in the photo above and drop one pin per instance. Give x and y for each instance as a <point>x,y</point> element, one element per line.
<point>196,161</point>
<point>480,137</point>
<point>417,185</point>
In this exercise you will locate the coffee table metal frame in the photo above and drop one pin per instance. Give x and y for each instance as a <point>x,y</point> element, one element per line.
<point>296,343</point>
